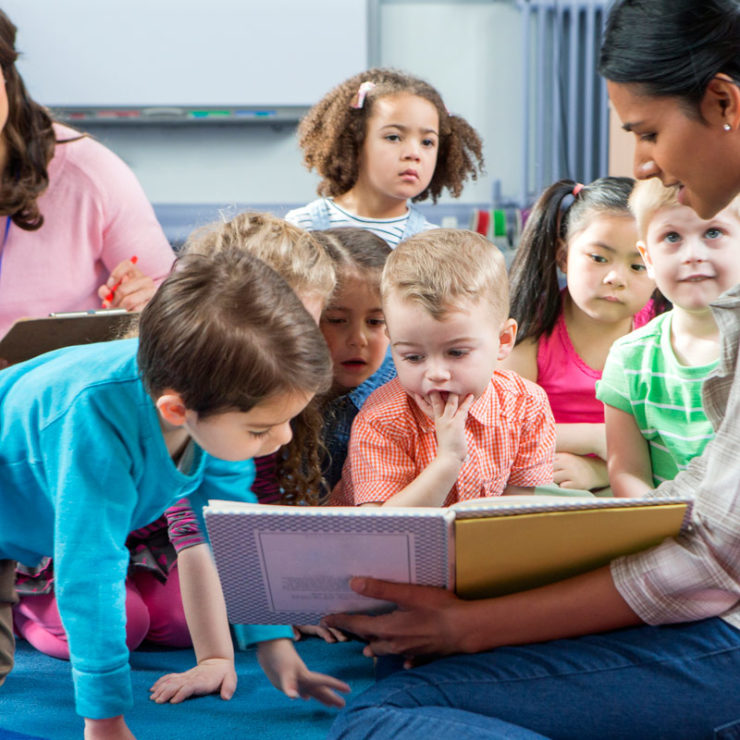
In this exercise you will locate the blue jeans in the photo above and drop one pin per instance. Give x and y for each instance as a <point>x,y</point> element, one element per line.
<point>643,683</point>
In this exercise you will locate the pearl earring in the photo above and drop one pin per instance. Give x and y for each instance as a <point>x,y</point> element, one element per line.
<point>727,127</point>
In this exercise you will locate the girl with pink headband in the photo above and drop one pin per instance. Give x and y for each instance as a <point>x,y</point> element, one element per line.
<point>380,140</point>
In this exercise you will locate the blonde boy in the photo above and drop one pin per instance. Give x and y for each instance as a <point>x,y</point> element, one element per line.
<point>651,385</point>
<point>451,426</point>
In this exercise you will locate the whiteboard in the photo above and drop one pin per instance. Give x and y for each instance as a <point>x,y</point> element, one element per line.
<point>209,53</point>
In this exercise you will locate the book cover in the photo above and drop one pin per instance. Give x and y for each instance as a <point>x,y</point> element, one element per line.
<point>292,564</point>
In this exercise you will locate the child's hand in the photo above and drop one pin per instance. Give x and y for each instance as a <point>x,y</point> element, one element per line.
<point>327,634</point>
<point>577,471</point>
<point>113,728</point>
<point>288,673</point>
<point>208,677</point>
<point>449,422</point>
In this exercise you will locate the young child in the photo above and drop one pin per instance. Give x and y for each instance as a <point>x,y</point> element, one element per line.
<point>354,329</point>
<point>565,334</point>
<point>289,475</point>
<point>451,426</point>
<point>154,607</point>
<point>307,266</point>
<point>655,419</point>
<point>113,433</point>
<point>378,140</point>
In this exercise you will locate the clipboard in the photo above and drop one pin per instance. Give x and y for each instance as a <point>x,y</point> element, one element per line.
<point>28,338</point>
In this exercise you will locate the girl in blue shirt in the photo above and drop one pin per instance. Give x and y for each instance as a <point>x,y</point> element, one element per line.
<point>96,441</point>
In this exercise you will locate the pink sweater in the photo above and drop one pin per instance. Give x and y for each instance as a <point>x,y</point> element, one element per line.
<point>95,216</point>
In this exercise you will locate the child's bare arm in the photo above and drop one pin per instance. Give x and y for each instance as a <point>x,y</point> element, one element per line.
<point>523,360</point>
<point>433,484</point>
<point>628,461</point>
<point>581,439</point>
<point>205,611</point>
<point>289,674</point>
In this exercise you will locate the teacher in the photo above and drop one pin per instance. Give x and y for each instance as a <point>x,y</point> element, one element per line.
<point>648,647</point>
<point>72,214</point>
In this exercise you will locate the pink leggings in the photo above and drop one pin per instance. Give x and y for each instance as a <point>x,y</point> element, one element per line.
<point>153,611</point>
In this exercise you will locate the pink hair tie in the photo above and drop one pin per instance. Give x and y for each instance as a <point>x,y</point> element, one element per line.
<point>577,189</point>
<point>359,99</point>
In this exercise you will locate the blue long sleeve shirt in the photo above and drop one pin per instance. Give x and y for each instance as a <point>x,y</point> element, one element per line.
<point>83,462</point>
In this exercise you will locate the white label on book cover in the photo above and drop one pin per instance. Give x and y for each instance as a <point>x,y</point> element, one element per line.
<point>310,571</point>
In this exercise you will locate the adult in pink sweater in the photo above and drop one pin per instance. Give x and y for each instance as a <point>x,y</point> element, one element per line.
<point>72,214</point>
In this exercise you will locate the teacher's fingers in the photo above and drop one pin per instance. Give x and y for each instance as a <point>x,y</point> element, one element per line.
<point>361,626</point>
<point>405,595</point>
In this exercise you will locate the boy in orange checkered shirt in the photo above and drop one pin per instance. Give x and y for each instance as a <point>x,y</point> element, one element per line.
<point>452,426</point>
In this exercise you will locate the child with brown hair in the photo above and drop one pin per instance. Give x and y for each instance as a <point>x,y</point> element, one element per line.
<point>98,440</point>
<point>158,608</point>
<point>354,329</point>
<point>378,140</point>
<point>587,234</point>
<point>289,475</point>
<point>452,426</point>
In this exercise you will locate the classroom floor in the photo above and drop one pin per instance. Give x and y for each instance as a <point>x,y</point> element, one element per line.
<point>36,699</point>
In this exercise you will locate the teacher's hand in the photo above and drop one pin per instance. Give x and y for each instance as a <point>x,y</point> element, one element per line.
<point>127,287</point>
<point>428,620</point>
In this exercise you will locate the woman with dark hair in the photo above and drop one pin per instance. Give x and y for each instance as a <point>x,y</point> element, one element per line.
<point>72,214</point>
<point>649,646</point>
<point>673,70</point>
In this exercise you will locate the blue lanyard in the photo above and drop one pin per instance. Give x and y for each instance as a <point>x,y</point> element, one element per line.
<point>5,239</point>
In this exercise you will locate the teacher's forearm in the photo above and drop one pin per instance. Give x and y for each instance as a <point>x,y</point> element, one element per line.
<point>577,606</point>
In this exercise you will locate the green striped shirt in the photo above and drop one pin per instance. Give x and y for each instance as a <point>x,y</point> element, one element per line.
<point>643,377</point>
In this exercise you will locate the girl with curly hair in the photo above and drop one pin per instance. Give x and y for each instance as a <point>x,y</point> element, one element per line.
<point>378,140</point>
<point>71,213</point>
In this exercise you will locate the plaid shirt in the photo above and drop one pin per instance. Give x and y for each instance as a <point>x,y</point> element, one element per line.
<point>510,434</point>
<point>697,575</point>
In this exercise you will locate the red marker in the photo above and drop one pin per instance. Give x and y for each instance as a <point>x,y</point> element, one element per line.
<point>113,290</point>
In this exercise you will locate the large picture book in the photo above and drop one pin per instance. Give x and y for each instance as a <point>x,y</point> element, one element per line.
<point>292,564</point>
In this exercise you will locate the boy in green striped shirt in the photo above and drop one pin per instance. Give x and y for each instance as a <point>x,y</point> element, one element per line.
<point>651,384</point>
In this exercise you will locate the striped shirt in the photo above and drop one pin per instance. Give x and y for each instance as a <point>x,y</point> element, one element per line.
<point>697,575</point>
<point>393,230</point>
<point>510,434</point>
<point>644,378</point>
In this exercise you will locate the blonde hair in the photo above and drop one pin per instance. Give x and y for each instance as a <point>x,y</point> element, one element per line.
<point>292,252</point>
<point>440,269</point>
<point>649,196</point>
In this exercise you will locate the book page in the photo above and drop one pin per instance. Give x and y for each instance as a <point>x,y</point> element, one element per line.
<point>310,572</point>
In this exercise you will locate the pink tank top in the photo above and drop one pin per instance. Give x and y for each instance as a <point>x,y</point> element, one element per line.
<point>569,382</point>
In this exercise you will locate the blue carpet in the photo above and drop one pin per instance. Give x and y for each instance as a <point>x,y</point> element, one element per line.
<point>36,700</point>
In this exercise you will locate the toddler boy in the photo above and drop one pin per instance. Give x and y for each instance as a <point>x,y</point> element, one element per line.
<point>451,426</point>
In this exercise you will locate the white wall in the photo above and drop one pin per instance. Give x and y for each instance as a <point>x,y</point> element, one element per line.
<point>468,50</point>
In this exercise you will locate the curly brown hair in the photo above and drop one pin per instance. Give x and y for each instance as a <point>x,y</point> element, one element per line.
<point>29,141</point>
<point>332,134</point>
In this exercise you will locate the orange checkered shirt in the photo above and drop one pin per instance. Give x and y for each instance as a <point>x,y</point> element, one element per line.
<point>510,433</point>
